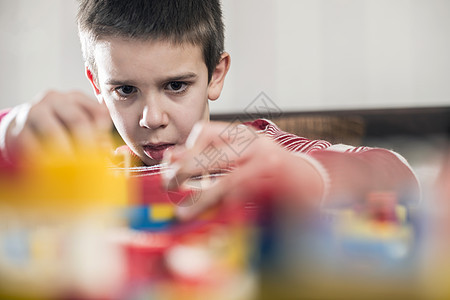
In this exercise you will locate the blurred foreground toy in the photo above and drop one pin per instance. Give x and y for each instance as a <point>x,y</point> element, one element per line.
<point>77,228</point>
<point>366,250</point>
<point>80,229</point>
<point>205,258</point>
<point>55,221</point>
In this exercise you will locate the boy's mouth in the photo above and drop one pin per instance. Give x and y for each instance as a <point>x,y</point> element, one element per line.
<point>156,151</point>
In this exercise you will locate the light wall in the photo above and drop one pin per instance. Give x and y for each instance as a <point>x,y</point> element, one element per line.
<point>303,54</point>
<point>335,54</point>
<point>39,49</point>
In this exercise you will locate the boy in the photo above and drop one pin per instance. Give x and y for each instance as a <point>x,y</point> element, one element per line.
<point>153,65</point>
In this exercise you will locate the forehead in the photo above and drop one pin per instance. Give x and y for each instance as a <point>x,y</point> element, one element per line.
<point>119,57</point>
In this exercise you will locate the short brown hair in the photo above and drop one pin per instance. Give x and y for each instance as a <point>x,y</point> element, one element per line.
<point>198,22</point>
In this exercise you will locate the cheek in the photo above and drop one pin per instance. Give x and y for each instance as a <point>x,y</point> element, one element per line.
<point>123,120</point>
<point>188,117</point>
<point>114,113</point>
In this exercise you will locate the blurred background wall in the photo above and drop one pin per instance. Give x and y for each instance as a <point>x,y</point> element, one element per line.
<point>303,54</point>
<point>39,49</point>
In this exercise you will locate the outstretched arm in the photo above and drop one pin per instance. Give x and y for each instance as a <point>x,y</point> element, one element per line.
<point>264,168</point>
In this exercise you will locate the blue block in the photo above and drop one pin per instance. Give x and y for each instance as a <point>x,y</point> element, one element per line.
<point>139,219</point>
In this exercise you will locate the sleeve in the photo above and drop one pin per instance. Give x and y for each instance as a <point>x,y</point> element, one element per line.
<point>3,126</point>
<point>3,113</point>
<point>18,115</point>
<point>288,141</point>
<point>349,173</point>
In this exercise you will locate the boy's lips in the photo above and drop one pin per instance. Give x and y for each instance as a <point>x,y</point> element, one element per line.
<point>156,151</point>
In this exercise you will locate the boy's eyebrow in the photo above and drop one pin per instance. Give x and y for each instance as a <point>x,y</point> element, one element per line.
<point>119,82</point>
<point>180,77</point>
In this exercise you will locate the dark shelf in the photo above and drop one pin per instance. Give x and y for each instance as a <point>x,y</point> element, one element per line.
<point>382,122</point>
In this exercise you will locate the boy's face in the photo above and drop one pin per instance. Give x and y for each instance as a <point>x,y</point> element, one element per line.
<point>155,92</point>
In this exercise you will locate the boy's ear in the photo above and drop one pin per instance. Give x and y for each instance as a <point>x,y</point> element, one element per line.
<point>218,77</point>
<point>91,79</point>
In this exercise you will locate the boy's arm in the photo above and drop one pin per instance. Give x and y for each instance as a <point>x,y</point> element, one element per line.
<point>264,169</point>
<point>55,121</point>
<point>345,167</point>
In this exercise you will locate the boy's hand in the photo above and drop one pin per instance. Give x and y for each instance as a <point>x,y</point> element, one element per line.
<point>56,121</point>
<point>261,169</point>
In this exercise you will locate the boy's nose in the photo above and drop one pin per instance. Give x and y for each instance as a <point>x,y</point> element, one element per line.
<point>153,117</point>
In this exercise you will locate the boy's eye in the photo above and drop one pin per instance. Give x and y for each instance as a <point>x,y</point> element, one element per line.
<point>125,90</point>
<point>177,86</point>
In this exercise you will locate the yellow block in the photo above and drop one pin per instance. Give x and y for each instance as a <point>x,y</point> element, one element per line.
<point>161,211</point>
<point>401,212</point>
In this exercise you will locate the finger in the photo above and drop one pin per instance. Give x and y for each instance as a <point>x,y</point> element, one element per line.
<point>52,132</point>
<point>234,141</point>
<point>207,151</point>
<point>78,123</point>
<point>213,159</point>
<point>28,146</point>
<point>233,186</point>
<point>98,112</point>
<point>101,118</point>
<point>204,133</point>
<point>87,120</point>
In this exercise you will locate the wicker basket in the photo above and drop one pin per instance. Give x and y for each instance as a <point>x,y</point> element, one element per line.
<point>346,130</point>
